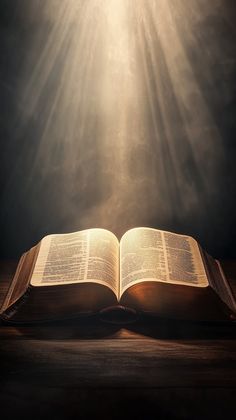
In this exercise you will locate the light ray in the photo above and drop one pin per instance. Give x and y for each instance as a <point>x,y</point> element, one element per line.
<point>113,122</point>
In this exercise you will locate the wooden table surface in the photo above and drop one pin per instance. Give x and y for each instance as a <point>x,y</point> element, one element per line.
<point>148,370</point>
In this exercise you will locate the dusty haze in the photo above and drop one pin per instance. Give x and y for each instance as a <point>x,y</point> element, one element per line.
<point>115,114</point>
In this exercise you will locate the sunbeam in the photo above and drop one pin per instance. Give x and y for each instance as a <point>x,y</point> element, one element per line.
<point>113,127</point>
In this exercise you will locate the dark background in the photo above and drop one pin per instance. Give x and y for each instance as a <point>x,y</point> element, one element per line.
<point>151,144</point>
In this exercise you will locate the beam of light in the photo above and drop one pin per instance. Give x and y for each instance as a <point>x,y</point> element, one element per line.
<point>112,120</point>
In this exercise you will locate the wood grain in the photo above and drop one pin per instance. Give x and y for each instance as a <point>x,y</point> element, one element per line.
<point>152,369</point>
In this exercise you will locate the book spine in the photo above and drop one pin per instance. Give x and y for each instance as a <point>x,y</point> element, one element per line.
<point>230,297</point>
<point>118,314</point>
<point>219,283</point>
<point>10,312</point>
<point>12,284</point>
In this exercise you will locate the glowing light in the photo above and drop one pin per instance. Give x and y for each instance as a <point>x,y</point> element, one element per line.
<point>117,114</point>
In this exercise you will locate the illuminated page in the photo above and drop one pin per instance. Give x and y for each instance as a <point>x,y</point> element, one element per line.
<point>87,256</point>
<point>154,255</point>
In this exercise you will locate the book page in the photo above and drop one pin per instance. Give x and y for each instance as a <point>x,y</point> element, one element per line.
<point>153,255</point>
<point>88,256</point>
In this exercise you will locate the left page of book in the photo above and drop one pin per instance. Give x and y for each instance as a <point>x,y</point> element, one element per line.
<point>88,256</point>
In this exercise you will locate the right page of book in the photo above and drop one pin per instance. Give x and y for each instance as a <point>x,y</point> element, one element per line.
<point>153,255</point>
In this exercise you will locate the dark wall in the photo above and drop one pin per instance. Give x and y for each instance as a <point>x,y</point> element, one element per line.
<point>118,118</point>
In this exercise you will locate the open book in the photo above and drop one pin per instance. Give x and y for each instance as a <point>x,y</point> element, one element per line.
<point>149,271</point>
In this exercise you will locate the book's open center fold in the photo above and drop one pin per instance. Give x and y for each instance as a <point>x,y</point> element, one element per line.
<point>150,271</point>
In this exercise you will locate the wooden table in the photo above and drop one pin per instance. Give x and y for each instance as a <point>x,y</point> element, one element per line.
<point>149,370</point>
